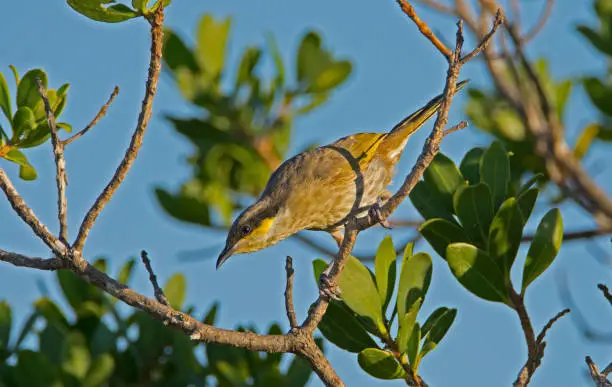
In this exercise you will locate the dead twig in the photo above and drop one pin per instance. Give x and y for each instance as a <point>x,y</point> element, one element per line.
<point>424,28</point>
<point>156,21</point>
<point>293,323</point>
<point>606,292</point>
<point>60,165</point>
<point>599,378</point>
<point>159,293</point>
<point>94,122</point>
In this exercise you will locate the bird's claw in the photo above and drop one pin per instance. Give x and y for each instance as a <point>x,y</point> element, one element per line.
<point>329,288</point>
<point>376,214</point>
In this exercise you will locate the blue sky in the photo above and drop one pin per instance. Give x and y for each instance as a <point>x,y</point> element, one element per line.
<point>395,70</point>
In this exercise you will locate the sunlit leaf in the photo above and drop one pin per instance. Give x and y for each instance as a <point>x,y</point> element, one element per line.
<point>380,364</point>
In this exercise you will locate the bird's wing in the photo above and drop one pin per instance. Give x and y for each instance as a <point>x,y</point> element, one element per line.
<point>361,146</point>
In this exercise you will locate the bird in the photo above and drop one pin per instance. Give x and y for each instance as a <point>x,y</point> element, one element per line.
<point>319,189</point>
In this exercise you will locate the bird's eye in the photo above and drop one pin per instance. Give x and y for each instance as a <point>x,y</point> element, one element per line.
<point>245,230</point>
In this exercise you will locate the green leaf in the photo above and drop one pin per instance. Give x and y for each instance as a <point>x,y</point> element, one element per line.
<point>15,74</point>
<point>431,320</point>
<point>359,292</point>
<point>495,172</point>
<point>562,94</point>
<point>596,39</point>
<point>211,44</point>
<point>175,290</point>
<point>438,330</point>
<point>299,373</point>
<point>530,183</point>
<point>26,330</point>
<point>584,141</point>
<point>51,312</point>
<point>470,165</point>
<point>444,177</point>
<point>211,316</point>
<point>380,364</point>
<point>76,359</point>
<point>341,327</point>
<point>182,207</point>
<point>505,235</point>
<point>76,291</point>
<point>330,77</point>
<point>477,272</point>
<point>474,208</point>
<point>428,203</point>
<point>250,59</point>
<point>311,60</point>
<point>406,326</point>
<point>26,171</point>
<point>278,60</point>
<point>33,369</point>
<point>27,91</point>
<point>176,54</point>
<point>5,98</point>
<point>600,94</point>
<point>440,233</point>
<point>100,371</point>
<point>544,247</point>
<point>23,122</point>
<point>140,5</point>
<point>97,10</point>
<point>126,271</point>
<point>526,202</point>
<point>413,347</point>
<point>5,326</point>
<point>385,268</point>
<point>415,277</point>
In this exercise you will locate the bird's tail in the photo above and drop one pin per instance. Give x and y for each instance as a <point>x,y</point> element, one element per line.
<point>396,140</point>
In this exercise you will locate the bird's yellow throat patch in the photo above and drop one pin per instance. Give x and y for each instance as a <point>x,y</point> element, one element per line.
<point>263,227</point>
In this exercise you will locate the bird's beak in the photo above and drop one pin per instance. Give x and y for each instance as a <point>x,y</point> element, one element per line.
<point>225,254</point>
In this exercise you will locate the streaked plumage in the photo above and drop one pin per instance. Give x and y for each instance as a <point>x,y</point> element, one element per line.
<point>318,189</point>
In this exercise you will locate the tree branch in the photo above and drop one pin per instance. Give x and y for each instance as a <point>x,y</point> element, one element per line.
<point>94,122</point>
<point>157,35</point>
<point>424,28</point>
<point>159,293</point>
<point>600,379</point>
<point>60,165</point>
<point>32,263</point>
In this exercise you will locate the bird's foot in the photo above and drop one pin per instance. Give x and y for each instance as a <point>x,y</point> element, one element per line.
<point>327,287</point>
<point>376,213</point>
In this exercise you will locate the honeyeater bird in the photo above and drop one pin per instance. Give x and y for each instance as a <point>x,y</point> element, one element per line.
<point>320,188</point>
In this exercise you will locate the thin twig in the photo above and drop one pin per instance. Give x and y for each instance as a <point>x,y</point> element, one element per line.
<point>60,165</point>
<point>28,216</point>
<point>549,324</point>
<point>289,294</point>
<point>599,378</point>
<point>94,122</point>
<point>455,128</point>
<point>31,262</point>
<point>424,28</point>
<point>606,292</point>
<point>499,18</point>
<point>157,35</point>
<point>159,293</point>
<point>542,21</point>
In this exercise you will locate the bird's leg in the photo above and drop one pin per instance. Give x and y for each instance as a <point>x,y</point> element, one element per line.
<point>374,212</point>
<point>328,287</point>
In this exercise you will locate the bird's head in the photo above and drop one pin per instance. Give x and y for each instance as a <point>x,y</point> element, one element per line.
<point>253,230</point>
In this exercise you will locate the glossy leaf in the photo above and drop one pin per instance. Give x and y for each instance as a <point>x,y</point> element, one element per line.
<point>76,358</point>
<point>438,330</point>
<point>585,140</point>
<point>470,165</point>
<point>526,203</point>
<point>5,98</point>
<point>99,11</point>
<point>414,344</point>
<point>126,271</point>
<point>415,276</point>
<point>250,58</point>
<point>28,327</point>
<point>211,44</point>
<point>477,272</point>
<point>340,327</point>
<point>359,292</point>
<point>211,315</point>
<point>385,267</point>
<point>440,233</point>
<point>27,91</point>
<point>530,183</point>
<point>596,39</point>
<point>444,177</point>
<point>5,325</point>
<point>505,235</point>
<point>35,370</point>
<point>495,172</point>
<point>431,320</point>
<point>175,290</point>
<point>544,247</point>
<point>428,203</point>
<point>26,171</point>
<point>176,54</point>
<point>23,121</point>
<point>406,326</point>
<point>51,312</point>
<point>474,208</point>
<point>380,364</point>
